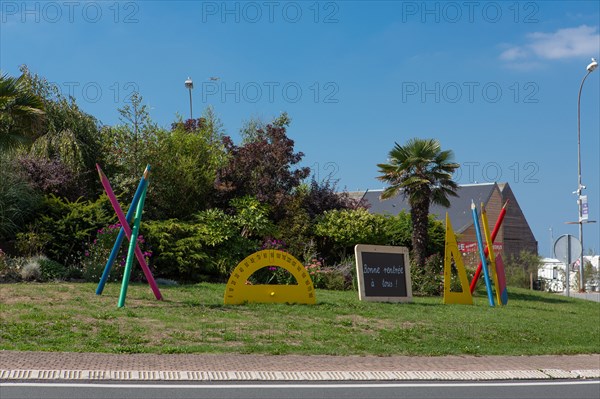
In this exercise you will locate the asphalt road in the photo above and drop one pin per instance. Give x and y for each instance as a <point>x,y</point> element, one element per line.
<point>434,390</point>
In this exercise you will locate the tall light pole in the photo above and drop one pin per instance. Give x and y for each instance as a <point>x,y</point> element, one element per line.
<point>190,85</point>
<point>590,68</point>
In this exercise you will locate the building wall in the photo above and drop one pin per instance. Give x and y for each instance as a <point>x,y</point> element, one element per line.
<point>517,234</point>
<point>514,235</point>
<point>493,207</point>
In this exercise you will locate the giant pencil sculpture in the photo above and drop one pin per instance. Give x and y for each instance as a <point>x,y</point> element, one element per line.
<point>486,276</point>
<point>121,236</point>
<point>123,220</point>
<point>490,247</point>
<point>494,234</point>
<point>132,246</point>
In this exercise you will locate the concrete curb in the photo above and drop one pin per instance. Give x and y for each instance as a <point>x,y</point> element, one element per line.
<point>207,376</point>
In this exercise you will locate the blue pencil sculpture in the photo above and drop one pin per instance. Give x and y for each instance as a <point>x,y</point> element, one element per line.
<point>486,276</point>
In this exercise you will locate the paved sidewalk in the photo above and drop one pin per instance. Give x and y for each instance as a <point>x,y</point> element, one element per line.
<point>96,366</point>
<point>590,296</point>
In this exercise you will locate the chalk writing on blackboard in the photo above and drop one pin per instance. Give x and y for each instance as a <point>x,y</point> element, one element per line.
<point>383,273</point>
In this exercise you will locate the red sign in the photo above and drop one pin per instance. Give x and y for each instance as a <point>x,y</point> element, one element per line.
<point>470,247</point>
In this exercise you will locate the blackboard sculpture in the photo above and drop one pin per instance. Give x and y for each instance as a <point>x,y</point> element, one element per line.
<point>383,273</point>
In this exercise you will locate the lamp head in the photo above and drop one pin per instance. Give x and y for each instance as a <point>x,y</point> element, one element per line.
<point>189,84</point>
<point>593,65</point>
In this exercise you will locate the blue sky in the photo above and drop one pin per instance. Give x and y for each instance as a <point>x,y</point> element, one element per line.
<point>494,81</point>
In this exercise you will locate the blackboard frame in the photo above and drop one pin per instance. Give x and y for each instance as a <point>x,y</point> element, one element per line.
<point>361,249</point>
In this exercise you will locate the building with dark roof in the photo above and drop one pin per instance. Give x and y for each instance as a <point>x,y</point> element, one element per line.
<point>514,236</point>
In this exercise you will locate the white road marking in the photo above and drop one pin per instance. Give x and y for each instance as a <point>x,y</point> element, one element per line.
<point>298,386</point>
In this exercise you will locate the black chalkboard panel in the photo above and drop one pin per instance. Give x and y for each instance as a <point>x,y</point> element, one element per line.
<point>383,273</point>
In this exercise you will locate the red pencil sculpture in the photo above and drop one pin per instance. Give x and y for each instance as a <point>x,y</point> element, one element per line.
<point>486,251</point>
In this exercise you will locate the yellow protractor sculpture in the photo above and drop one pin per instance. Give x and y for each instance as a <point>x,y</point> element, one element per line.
<point>238,291</point>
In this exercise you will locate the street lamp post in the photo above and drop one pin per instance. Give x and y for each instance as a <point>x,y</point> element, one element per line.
<point>190,85</point>
<point>590,68</point>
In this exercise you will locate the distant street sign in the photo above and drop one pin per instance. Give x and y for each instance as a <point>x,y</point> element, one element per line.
<point>567,248</point>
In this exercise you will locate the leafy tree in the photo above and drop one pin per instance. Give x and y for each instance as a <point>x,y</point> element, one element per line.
<point>254,129</point>
<point>128,147</point>
<point>18,200</point>
<point>301,211</point>
<point>295,228</point>
<point>209,121</point>
<point>136,118</point>
<point>21,112</point>
<point>263,168</point>
<point>184,170</point>
<point>50,176</point>
<point>323,196</point>
<point>399,231</point>
<point>68,134</point>
<point>183,161</point>
<point>422,172</point>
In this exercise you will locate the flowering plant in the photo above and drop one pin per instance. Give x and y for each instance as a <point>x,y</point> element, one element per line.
<point>315,270</point>
<point>274,243</point>
<point>97,253</point>
<point>272,274</point>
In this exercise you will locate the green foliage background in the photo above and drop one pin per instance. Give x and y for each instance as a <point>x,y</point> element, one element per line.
<point>210,202</point>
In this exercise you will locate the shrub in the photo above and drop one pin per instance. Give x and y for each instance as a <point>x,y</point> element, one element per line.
<point>32,243</point>
<point>340,230</point>
<point>428,281</point>
<point>98,251</point>
<point>399,232</point>
<point>31,269</point>
<point>51,270</point>
<point>252,217</point>
<point>272,275</point>
<point>184,171</point>
<point>341,277</point>
<point>9,272</point>
<point>296,226</point>
<point>518,269</point>
<point>71,225</point>
<point>208,247</point>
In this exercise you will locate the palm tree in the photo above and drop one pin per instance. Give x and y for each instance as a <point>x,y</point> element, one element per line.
<point>21,112</point>
<point>422,172</point>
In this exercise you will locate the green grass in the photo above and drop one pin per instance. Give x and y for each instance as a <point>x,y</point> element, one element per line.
<point>69,317</point>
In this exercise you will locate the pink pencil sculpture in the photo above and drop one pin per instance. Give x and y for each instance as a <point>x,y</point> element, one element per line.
<point>123,220</point>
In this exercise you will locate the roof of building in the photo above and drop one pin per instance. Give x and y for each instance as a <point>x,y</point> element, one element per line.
<point>459,210</point>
